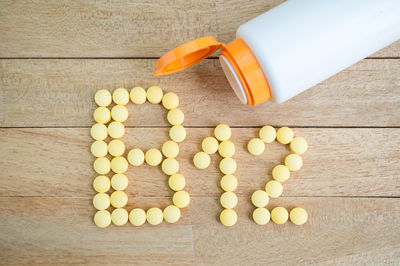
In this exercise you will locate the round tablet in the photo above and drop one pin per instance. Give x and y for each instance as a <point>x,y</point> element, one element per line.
<point>228,217</point>
<point>293,162</point>
<point>137,217</point>
<point>171,214</point>
<point>154,94</point>
<point>170,100</point>
<point>261,216</point>
<point>119,165</point>
<point>222,132</point>
<point>102,218</point>
<point>99,148</point>
<point>181,199</point>
<point>284,135</point>
<point>101,184</point>
<point>170,149</point>
<point>176,182</point>
<point>170,166</point>
<point>229,182</point>
<point>119,199</point>
<point>136,157</point>
<point>154,216</point>
<point>119,216</point>
<point>227,166</point>
<point>228,200</point>
<point>175,117</point>
<point>298,145</point>
<point>102,165</point>
<point>201,160</point>
<point>101,201</point>
<point>256,146</point>
<point>274,189</point>
<point>209,145</point>
<point>153,157</point>
<point>119,181</point>
<point>177,133</point>
<point>120,96</point>
<point>102,115</point>
<point>259,198</point>
<point>267,134</point>
<point>138,95</point>
<point>298,216</point>
<point>226,148</point>
<point>116,147</point>
<point>119,113</point>
<point>116,130</point>
<point>99,132</point>
<point>281,173</point>
<point>102,98</point>
<point>279,215</point>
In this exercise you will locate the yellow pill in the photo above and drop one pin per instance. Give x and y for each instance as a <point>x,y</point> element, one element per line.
<point>102,165</point>
<point>284,135</point>
<point>102,98</point>
<point>101,201</point>
<point>120,96</point>
<point>170,166</point>
<point>259,198</point>
<point>102,218</point>
<point>177,133</point>
<point>101,184</point>
<point>154,216</point>
<point>99,148</point>
<point>298,145</point>
<point>119,216</point>
<point>102,115</point>
<point>181,199</point>
<point>267,134</point>
<point>116,130</point>
<point>153,157</point>
<point>119,181</point>
<point>228,200</point>
<point>261,216</point>
<point>209,145</point>
<point>154,94</point>
<point>227,166</point>
<point>274,189</point>
<point>222,132</point>
<point>228,182</point>
<point>226,148</point>
<point>119,165</point>
<point>170,100</point>
<point>228,217</point>
<point>119,113</point>
<point>279,215</point>
<point>256,146</point>
<point>298,216</point>
<point>281,173</point>
<point>116,147</point>
<point>293,162</point>
<point>170,149</point>
<point>99,132</point>
<point>171,214</point>
<point>138,95</point>
<point>137,217</point>
<point>175,117</point>
<point>136,157</point>
<point>119,199</point>
<point>201,160</point>
<point>176,182</point>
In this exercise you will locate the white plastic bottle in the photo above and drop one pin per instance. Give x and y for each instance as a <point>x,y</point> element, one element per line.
<point>294,46</point>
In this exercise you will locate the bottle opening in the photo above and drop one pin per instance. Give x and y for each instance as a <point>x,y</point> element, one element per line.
<point>233,79</point>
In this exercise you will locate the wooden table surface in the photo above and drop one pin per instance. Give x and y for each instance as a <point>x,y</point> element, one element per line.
<point>56,54</point>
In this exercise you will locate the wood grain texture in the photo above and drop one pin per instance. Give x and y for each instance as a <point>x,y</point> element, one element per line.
<point>48,93</point>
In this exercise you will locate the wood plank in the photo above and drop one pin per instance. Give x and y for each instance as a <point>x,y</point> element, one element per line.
<point>48,93</point>
<point>122,28</point>
<point>339,162</point>
<point>340,230</point>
